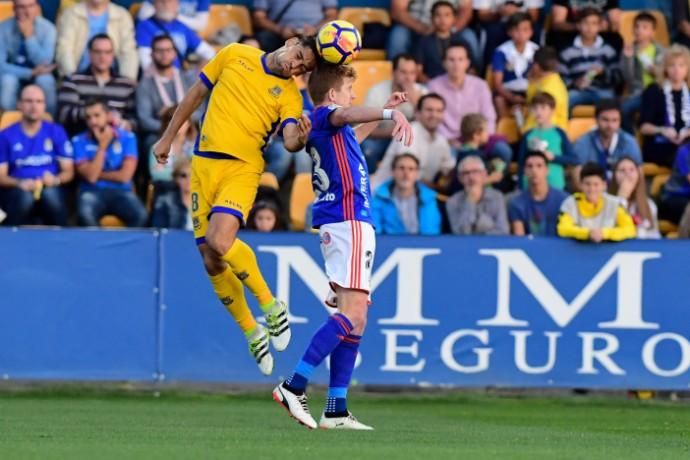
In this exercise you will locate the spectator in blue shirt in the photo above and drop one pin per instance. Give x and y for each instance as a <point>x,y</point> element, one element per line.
<point>676,196</point>
<point>35,160</point>
<point>106,159</point>
<point>192,13</point>
<point>535,210</point>
<point>403,205</point>
<point>279,20</point>
<point>27,47</point>
<point>608,143</point>
<point>165,22</point>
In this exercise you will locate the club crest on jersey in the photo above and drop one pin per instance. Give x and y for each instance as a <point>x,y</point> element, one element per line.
<point>48,145</point>
<point>326,238</point>
<point>276,91</point>
<point>117,147</point>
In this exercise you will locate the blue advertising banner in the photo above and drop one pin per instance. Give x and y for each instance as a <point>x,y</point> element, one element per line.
<point>449,311</point>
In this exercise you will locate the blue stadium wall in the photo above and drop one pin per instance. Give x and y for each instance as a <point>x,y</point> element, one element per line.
<point>509,312</point>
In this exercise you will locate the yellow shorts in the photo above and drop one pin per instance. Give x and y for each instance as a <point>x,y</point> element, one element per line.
<point>221,185</point>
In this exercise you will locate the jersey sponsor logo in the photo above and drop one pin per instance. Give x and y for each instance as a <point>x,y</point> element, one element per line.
<point>276,91</point>
<point>364,185</point>
<point>34,160</point>
<point>244,64</point>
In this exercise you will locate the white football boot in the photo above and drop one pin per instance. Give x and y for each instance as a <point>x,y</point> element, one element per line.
<point>258,347</point>
<point>342,423</point>
<point>278,327</point>
<point>296,405</point>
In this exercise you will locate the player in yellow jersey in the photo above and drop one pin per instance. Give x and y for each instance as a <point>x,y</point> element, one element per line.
<point>251,95</point>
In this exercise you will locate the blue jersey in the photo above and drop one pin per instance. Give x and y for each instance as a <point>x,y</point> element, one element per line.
<point>339,172</point>
<point>185,39</point>
<point>123,145</point>
<point>191,7</point>
<point>31,157</point>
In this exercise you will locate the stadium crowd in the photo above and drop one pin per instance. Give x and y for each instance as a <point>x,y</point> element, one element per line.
<point>570,122</point>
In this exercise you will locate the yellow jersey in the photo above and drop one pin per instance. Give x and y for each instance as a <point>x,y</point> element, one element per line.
<point>552,84</point>
<point>247,103</point>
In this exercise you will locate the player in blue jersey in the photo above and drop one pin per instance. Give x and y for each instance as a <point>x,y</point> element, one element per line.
<point>342,214</point>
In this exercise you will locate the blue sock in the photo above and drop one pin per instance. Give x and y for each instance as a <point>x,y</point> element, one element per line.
<point>324,341</point>
<point>342,364</point>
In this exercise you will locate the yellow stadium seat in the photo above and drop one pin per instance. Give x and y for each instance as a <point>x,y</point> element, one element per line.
<point>579,126</point>
<point>110,221</point>
<point>268,179</point>
<point>584,111</point>
<point>300,197</point>
<point>11,117</point>
<point>657,185</point>
<point>360,16</point>
<point>652,169</point>
<point>370,54</point>
<point>134,9</point>
<point>666,227</point>
<point>369,73</point>
<point>223,15</point>
<point>628,20</point>
<point>672,235</point>
<point>507,127</point>
<point>7,11</point>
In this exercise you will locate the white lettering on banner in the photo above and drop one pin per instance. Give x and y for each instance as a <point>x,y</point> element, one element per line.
<point>521,352</point>
<point>603,355</point>
<point>393,349</point>
<point>410,263</point>
<point>649,349</point>
<point>448,357</point>
<point>628,266</point>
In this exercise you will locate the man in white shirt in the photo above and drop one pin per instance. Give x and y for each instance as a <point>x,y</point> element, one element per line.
<point>431,149</point>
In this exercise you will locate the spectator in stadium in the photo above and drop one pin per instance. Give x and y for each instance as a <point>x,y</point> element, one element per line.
<point>163,87</point>
<point>475,135</point>
<point>98,80</point>
<point>589,65</point>
<point>192,13</point>
<point>35,161</point>
<point>265,217</point>
<point>106,159</point>
<point>510,64</point>
<point>535,210</point>
<point>665,112</point>
<point>403,205</point>
<point>629,186</point>
<point>465,94</point>
<point>544,78</point>
<point>431,149</point>
<point>78,25</point>
<point>164,22</point>
<point>412,20</point>
<point>548,139</point>
<point>278,20</point>
<point>640,62</point>
<point>683,226</point>
<point>593,214</point>
<point>607,144</point>
<point>564,16</point>
<point>681,16</point>
<point>172,210</point>
<point>429,51</point>
<point>27,48</point>
<point>676,195</point>
<point>477,209</point>
<point>182,147</point>
<point>405,73</point>
<point>495,18</point>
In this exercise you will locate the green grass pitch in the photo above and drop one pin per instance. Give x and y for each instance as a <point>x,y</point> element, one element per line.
<point>253,426</point>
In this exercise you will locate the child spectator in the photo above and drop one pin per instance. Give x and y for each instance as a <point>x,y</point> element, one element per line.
<point>475,136</point>
<point>551,140</point>
<point>264,217</point>
<point>590,65</point>
<point>535,210</point>
<point>629,186</point>
<point>432,47</point>
<point>544,78</point>
<point>511,62</point>
<point>676,194</point>
<point>593,214</point>
<point>640,63</point>
<point>172,210</point>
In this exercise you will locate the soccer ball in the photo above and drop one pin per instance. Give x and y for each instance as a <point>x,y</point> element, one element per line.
<point>338,42</point>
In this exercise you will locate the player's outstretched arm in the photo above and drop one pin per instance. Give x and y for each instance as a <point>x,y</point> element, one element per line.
<point>295,135</point>
<point>402,131</point>
<point>365,129</point>
<point>192,100</point>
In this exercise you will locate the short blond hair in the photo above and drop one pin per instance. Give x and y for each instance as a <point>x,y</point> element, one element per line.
<point>671,54</point>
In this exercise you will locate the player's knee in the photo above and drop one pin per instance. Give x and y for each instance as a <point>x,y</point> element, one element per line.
<point>219,242</point>
<point>358,317</point>
<point>213,264</point>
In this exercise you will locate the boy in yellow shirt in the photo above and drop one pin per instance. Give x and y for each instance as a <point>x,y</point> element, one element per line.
<point>543,78</point>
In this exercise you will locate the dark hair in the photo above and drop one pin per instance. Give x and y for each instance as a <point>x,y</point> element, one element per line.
<point>91,102</point>
<point>441,3</point>
<point>535,153</point>
<point>403,57</point>
<point>326,76</point>
<point>592,169</point>
<point>400,156</point>
<point>438,97</point>
<point>471,124</point>
<point>543,98</point>
<point>517,19</point>
<point>262,205</point>
<point>162,37</point>
<point>457,44</point>
<point>101,36</point>
<point>645,16</point>
<point>546,58</point>
<point>166,118</point>
<point>584,13</point>
<point>310,43</point>
<point>605,105</point>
